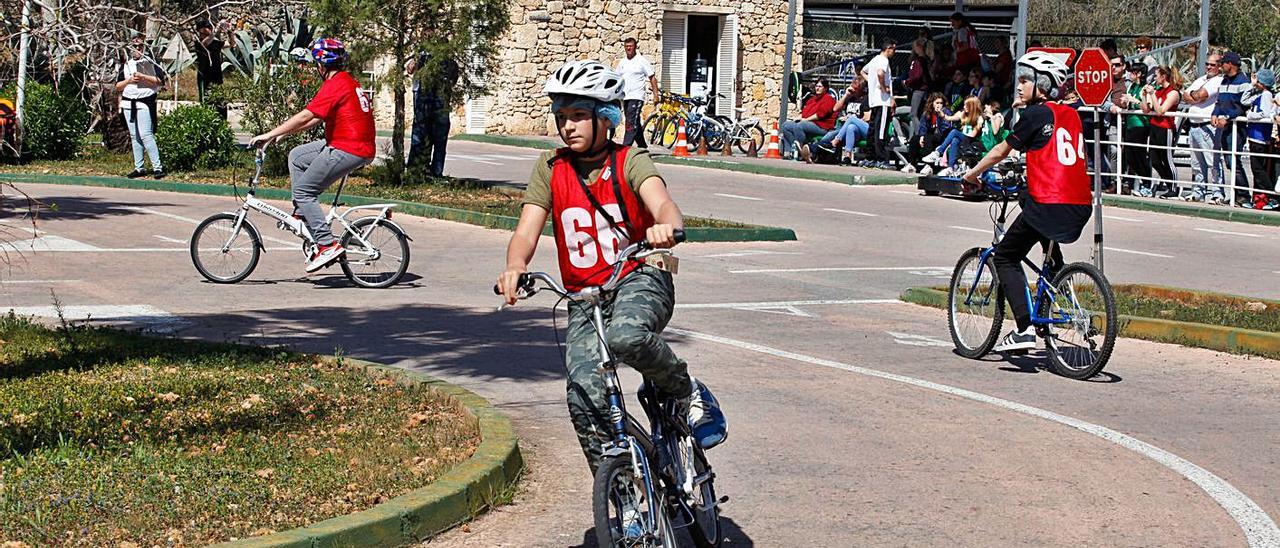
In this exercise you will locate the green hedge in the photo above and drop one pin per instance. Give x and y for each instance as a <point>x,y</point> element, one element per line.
<point>54,123</point>
<point>195,137</point>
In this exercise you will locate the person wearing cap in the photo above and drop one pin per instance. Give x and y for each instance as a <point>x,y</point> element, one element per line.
<point>1230,133</point>
<point>1260,100</point>
<point>1206,164</point>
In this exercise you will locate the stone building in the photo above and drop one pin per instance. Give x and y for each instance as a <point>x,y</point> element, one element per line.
<point>741,41</point>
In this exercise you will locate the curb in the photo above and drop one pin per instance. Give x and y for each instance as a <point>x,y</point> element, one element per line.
<point>1220,213</point>
<point>852,179</point>
<point>454,498</point>
<point>1234,340</point>
<point>487,220</point>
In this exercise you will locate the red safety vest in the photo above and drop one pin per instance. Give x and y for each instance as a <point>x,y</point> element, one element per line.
<point>1056,172</point>
<point>586,243</point>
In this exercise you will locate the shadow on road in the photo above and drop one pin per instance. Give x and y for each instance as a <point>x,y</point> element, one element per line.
<point>733,536</point>
<point>81,208</point>
<point>1039,362</point>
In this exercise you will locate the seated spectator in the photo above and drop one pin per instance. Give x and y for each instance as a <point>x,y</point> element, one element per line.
<point>957,90</point>
<point>993,127</point>
<point>969,122</point>
<point>856,124</point>
<point>934,127</point>
<point>1157,100</point>
<point>940,69</point>
<point>1003,67</point>
<point>1260,100</point>
<point>817,117</point>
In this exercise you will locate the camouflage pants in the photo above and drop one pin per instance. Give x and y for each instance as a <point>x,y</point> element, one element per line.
<point>634,316</point>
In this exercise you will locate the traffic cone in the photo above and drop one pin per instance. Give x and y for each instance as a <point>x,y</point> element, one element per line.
<point>726,150</point>
<point>682,143</point>
<point>702,146</point>
<point>753,149</point>
<point>774,151</point>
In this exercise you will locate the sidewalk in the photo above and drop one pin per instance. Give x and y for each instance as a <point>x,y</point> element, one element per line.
<point>758,166</point>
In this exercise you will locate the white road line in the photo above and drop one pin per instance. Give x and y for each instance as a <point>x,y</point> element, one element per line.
<point>1143,253</point>
<point>475,159</point>
<point>198,221</point>
<point>1125,219</point>
<point>168,239</point>
<point>510,157</point>
<point>1229,233</point>
<point>147,249</point>
<point>839,269</point>
<point>740,197</point>
<point>3,282</point>
<point>781,304</point>
<point>970,229</point>
<point>917,193</point>
<point>850,212</point>
<point>750,252</point>
<point>1259,529</point>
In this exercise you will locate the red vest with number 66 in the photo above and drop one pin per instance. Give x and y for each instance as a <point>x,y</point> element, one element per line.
<point>587,246</point>
<point>1056,172</point>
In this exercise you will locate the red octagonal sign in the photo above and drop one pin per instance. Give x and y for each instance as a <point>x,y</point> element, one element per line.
<point>1093,76</point>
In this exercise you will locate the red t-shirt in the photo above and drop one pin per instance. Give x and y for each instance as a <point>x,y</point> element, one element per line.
<point>347,115</point>
<point>1164,122</point>
<point>822,106</point>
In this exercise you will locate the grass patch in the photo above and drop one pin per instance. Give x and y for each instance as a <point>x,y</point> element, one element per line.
<point>110,437</point>
<point>1198,307</point>
<point>468,194</point>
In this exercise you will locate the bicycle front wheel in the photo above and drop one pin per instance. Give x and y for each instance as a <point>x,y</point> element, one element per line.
<point>620,505</point>
<point>749,135</point>
<point>222,253</point>
<point>706,530</point>
<point>653,127</point>
<point>975,305</point>
<point>670,131</point>
<point>377,253</point>
<point>1083,333</point>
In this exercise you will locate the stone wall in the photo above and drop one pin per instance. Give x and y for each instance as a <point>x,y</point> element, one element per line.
<point>545,34</point>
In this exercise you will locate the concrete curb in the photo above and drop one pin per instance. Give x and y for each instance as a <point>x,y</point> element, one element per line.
<point>852,179</point>
<point>454,498</point>
<point>487,220</point>
<point>1214,337</point>
<point>1221,213</point>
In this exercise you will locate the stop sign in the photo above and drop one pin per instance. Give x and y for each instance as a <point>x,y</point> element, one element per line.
<point>1093,76</point>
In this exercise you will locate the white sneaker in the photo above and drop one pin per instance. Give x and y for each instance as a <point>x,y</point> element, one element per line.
<point>908,169</point>
<point>930,157</point>
<point>926,171</point>
<point>1026,340</point>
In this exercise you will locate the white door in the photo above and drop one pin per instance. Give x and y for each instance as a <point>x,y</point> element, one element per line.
<point>674,27</point>
<point>477,109</point>
<point>727,67</point>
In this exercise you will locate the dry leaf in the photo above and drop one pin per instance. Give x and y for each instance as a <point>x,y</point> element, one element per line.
<point>265,473</point>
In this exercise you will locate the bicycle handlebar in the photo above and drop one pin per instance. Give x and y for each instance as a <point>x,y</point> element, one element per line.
<point>1011,177</point>
<point>636,251</point>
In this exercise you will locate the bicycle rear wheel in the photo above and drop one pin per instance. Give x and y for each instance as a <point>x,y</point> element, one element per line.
<point>746,135</point>
<point>1080,347</point>
<point>223,254</point>
<point>653,127</point>
<point>380,263</point>
<point>975,305</point>
<point>621,508</point>
<point>669,133</point>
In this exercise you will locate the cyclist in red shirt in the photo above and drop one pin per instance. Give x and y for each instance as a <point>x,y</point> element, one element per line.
<point>601,197</point>
<point>345,110</point>
<point>1057,202</point>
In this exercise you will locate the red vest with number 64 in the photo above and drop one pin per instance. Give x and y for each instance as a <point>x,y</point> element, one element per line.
<point>587,246</point>
<point>1056,172</point>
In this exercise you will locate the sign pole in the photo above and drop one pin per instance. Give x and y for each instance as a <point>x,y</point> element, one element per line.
<point>1097,190</point>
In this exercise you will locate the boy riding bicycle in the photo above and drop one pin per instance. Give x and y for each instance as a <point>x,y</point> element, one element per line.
<point>601,197</point>
<point>348,144</point>
<point>1057,204</point>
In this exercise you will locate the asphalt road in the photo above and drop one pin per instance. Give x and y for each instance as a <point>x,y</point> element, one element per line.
<point>852,423</point>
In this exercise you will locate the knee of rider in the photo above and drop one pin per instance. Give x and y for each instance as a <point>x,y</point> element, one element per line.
<point>627,342</point>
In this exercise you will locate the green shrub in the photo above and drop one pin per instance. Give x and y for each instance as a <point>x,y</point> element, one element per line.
<point>281,91</point>
<point>195,137</point>
<point>55,123</point>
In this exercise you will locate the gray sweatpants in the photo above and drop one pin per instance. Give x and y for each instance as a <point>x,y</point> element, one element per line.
<point>312,168</point>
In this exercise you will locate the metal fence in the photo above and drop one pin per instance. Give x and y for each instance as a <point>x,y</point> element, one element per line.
<point>1226,172</point>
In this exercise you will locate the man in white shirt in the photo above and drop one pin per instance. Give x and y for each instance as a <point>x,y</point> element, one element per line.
<point>1206,164</point>
<point>879,77</point>
<point>635,70</point>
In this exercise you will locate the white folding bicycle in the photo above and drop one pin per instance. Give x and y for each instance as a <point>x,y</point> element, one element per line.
<point>225,247</point>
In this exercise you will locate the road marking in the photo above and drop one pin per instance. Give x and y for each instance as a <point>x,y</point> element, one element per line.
<point>154,319</point>
<point>1125,219</point>
<point>740,197</point>
<point>510,157</point>
<point>839,269</point>
<point>750,252</point>
<point>475,159</point>
<point>168,239</point>
<point>51,243</point>
<point>917,340</point>
<point>1144,253</point>
<point>140,249</point>
<point>970,229</point>
<point>850,212</point>
<point>197,221</point>
<point>917,193</point>
<point>1229,233</point>
<point>781,304</point>
<point>38,282</point>
<point>1259,529</point>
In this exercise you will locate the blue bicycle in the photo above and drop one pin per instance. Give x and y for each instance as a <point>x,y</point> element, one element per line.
<point>1074,309</point>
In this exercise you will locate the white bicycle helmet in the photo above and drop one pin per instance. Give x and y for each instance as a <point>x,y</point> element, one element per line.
<point>1047,71</point>
<point>587,78</point>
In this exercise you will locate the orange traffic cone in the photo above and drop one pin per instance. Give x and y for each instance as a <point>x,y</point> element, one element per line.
<point>726,150</point>
<point>774,151</point>
<point>682,142</point>
<point>753,149</point>
<point>702,146</point>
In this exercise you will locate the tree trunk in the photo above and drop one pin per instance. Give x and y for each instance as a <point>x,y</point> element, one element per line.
<point>397,122</point>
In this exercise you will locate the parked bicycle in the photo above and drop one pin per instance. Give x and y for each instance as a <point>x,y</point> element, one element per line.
<point>1073,310</point>
<point>662,126</point>
<point>225,247</point>
<point>650,483</point>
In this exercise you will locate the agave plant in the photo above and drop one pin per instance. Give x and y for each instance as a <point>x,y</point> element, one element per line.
<point>252,48</point>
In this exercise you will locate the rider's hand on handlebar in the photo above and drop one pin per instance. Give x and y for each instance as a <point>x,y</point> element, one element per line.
<point>262,141</point>
<point>509,283</point>
<point>971,177</point>
<point>661,236</point>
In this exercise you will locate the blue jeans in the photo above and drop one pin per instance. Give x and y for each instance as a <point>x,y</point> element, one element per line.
<point>853,130</point>
<point>793,132</point>
<point>142,131</point>
<point>1206,166</point>
<point>952,146</point>
<point>1231,138</point>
